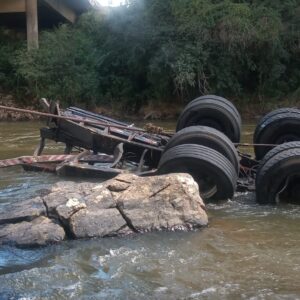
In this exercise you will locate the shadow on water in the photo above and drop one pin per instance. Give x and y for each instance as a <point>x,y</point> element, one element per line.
<point>14,260</point>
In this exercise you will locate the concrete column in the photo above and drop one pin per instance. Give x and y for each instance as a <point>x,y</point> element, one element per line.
<point>32,24</point>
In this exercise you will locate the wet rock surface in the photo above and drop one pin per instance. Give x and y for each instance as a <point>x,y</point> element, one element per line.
<point>120,206</point>
<point>39,232</point>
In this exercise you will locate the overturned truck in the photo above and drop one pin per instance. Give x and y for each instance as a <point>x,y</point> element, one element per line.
<point>204,145</point>
<point>197,148</point>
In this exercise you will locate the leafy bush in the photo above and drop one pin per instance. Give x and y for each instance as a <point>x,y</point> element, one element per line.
<point>10,43</point>
<point>64,68</point>
<point>170,50</point>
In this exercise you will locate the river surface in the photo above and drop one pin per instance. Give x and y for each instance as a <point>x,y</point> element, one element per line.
<point>247,251</point>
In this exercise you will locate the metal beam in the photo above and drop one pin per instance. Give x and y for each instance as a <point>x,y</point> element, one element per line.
<point>12,6</point>
<point>63,9</point>
<point>32,24</point>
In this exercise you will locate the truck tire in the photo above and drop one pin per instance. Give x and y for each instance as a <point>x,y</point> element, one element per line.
<point>275,151</point>
<point>208,137</point>
<point>214,173</point>
<point>260,125</point>
<point>215,112</point>
<point>273,175</point>
<point>276,129</point>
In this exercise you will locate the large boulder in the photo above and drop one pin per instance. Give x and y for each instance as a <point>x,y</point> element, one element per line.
<point>120,206</point>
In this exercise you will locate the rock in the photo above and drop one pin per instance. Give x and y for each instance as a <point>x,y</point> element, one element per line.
<point>123,205</point>
<point>27,211</point>
<point>99,223</point>
<point>40,232</point>
<point>163,203</point>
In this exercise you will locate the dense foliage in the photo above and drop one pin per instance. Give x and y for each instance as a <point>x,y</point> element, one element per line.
<point>9,45</point>
<point>170,50</point>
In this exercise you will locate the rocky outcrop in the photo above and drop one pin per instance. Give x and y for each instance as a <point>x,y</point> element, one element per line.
<point>120,206</point>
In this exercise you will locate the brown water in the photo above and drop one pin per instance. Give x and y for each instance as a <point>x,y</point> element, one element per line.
<point>247,252</point>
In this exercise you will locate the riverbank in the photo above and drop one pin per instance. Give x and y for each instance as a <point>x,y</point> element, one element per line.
<point>249,109</point>
<point>10,101</point>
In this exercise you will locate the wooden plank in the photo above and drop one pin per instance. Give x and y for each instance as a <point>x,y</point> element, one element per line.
<point>32,24</point>
<point>12,6</point>
<point>63,9</point>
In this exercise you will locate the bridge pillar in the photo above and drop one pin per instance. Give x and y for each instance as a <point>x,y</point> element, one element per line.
<point>32,24</point>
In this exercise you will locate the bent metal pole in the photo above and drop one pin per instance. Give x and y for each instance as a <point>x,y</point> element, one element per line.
<point>105,124</point>
<point>75,119</point>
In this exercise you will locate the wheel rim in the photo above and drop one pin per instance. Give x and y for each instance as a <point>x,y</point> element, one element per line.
<point>289,137</point>
<point>209,122</point>
<point>289,190</point>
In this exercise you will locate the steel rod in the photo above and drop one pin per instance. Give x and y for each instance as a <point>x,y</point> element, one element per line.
<point>256,145</point>
<point>81,119</point>
<point>109,125</point>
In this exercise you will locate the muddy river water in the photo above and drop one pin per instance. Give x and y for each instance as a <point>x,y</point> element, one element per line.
<point>247,252</point>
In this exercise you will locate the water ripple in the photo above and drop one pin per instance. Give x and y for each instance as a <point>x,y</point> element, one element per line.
<point>247,252</point>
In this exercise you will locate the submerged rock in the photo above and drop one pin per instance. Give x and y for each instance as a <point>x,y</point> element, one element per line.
<point>120,206</point>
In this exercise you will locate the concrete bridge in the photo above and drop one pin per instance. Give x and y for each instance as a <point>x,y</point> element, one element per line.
<point>31,14</point>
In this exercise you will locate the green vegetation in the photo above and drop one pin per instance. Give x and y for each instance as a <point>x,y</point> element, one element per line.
<point>9,45</point>
<point>166,51</point>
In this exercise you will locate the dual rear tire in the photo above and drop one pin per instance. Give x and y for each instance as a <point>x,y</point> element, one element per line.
<point>214,173</point>
<point>208,137</point>
<point>277,127</point>
<point>202,146</point>
<point>278,176</point>
<point>212,111</point>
